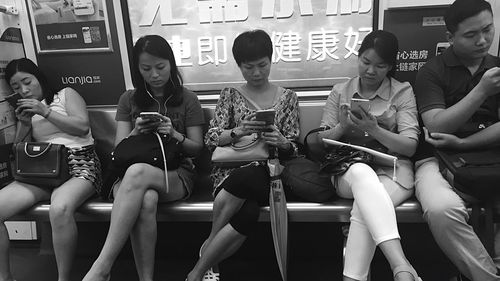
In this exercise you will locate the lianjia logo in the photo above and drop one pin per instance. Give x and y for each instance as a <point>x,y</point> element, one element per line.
<point>81,80</point>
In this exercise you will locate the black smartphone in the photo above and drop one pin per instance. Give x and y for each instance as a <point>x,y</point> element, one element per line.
<point>12,99</point>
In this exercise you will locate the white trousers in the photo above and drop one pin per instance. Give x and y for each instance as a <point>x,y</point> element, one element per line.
<point>373,219</point>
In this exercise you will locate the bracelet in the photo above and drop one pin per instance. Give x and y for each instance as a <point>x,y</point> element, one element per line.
<point>183,139</point>
<point>48,113</point>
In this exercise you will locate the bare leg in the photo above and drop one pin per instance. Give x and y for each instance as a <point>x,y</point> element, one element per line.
<point>143,237</point>
<point>225,243</point>
<point>65,199</point>
<point>225,206</point>
<point>126,209</point>
<point>14,198</point>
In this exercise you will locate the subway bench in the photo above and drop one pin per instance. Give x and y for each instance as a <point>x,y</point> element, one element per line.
<point>198,208</point>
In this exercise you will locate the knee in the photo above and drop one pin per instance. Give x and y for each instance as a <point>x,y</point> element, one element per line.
<point>445,213</point>
<point>245,220</point>
<point>59,212</point>
<point>149,202</point>
<point>135,177</point>
<point>361,171</point>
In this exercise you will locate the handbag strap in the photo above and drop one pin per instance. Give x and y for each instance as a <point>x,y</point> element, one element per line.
<point>164,160</point>
<point>319,129</point>
<point>36,155</point>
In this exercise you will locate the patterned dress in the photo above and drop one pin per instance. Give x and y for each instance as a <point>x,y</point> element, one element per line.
<point>232,108</point>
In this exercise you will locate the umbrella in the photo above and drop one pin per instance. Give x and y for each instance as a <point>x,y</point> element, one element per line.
<point>279,216</point>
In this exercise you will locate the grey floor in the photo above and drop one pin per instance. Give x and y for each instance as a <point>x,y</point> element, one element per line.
<point>315,254</point>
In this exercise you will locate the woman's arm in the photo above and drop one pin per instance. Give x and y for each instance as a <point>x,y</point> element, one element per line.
<point>123,130</point>
<point>77,121</point>
<point>192,142</point>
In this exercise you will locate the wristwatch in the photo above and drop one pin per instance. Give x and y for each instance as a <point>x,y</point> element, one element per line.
<point>232,134</point>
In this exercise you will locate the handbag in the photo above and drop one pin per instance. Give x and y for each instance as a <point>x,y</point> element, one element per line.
<point>41,163</point>
<point>246,150</point>
<point>161,151</point>
<point>472,173</point>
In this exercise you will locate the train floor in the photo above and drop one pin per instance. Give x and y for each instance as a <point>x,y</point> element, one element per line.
<point>315,253</point>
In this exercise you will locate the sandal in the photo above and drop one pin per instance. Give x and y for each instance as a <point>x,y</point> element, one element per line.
<point>406,268</point>
<point>210,275</point>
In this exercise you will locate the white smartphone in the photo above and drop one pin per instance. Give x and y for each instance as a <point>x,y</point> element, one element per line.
<point>87,39</point>
<point>154,116</point>
<point>357,104</point>
<point>83,7</point>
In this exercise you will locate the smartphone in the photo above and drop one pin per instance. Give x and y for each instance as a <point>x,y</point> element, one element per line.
<point>265,115</point>
<point>357,104</point>
<point>83,7</point>
<point>153,116</point>
<point>87,38</point>
<point>12,99</point>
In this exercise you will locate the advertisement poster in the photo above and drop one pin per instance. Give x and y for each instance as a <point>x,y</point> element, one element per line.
<point>70,25</point>
<point>315,41</point>
<point>12,48</point>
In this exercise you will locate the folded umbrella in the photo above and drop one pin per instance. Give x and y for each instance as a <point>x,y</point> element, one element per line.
<point>279,216</point>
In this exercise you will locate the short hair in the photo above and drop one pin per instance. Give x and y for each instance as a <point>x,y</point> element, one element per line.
<point>461,10</point>
<point>385,45</point>
<point>252,45</point>
<point>28,66</point>
<point>157,46</point>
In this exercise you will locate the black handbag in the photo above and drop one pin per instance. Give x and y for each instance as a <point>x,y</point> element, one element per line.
<point>142,148</point>
<point>40,163</point>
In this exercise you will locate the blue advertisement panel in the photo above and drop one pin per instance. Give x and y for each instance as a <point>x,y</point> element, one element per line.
<point>315,41</point>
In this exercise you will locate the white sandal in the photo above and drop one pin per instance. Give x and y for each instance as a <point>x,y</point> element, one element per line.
<point>210,275</point>
<point>407,268</point>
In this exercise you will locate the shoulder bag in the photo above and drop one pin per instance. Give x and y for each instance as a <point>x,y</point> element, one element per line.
<point>160,151</point>
<point>474,173</point>
<point>246,150</point>
<point>40,163</point>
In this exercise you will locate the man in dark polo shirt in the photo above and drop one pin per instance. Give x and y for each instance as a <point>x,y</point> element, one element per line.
<point>458,93</point>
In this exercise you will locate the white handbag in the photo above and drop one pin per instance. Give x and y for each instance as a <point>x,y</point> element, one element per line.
<point>246,150</point>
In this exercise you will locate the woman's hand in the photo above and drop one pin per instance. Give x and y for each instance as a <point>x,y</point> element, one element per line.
<point>249,126</point>
<point>23,116</point>
<point>165,127</point>
<point>344,120</point>
<point>146,126</point>
<point>275,138</point>
<point>32,106</point>
<point>367,123</point>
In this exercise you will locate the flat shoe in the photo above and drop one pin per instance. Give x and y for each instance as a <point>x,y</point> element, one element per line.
<point>406,268</point>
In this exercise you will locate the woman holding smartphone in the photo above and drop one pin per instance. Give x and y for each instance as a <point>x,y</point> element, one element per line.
<point>387,121</point>
<point>158,88</point>
<point>239,192</point>
<point>45,115</point>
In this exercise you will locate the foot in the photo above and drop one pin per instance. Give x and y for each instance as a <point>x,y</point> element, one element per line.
<point>405,272</point>
<point>96,275</point>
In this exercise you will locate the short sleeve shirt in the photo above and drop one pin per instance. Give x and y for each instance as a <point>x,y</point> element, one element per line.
<point>188,114</point>
<point>444,81</point>
<point>394,107</point>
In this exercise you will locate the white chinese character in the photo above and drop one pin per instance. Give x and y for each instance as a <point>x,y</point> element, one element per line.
<point>207,45</point>
<point>222,10</point>
<point>351,46</point>
<point>420,64</point>
<point>181,49</point>
<point>322,43</point>
<point>423,54</point>
<point>403,55</point>
<point>286,45</point>
<point>412,66</point>
<point>414,55</point>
